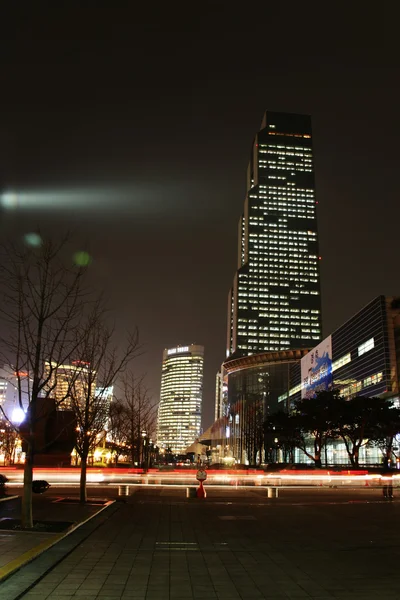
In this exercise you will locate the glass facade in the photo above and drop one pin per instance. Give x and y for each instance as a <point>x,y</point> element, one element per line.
<point>179,412</point>
<point>365,362</point>
<point>275,303</point>
<point>365,352</point>
<point>253,394</point>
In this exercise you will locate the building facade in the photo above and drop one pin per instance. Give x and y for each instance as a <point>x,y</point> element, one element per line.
<point>69,380</point>
<point>360,358</point>
<point>179,412</point>
<point>255,384</point>
<point>274,303</point>
<point>365,355</point>
<point>220,394</point>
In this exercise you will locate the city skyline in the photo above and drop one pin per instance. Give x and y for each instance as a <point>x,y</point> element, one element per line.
<point>140,150</point>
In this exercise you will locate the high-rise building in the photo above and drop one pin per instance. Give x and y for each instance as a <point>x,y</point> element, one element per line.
<point>104,396</point>
<point>275,301</point>
<point>67,380</point>
<point>179,412</point>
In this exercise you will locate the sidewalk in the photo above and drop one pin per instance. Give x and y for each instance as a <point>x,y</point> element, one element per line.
<point>13,544</point>
<point>18,547</point>
<point>159,547</point>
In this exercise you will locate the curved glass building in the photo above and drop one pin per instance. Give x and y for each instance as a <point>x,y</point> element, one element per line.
<point>179,412</point>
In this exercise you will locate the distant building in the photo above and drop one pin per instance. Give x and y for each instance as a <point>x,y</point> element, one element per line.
<point>105,395</point>
<point>11,387</point>
<point>68,378</point>
<point>179,412</point>
<point>275,301</point>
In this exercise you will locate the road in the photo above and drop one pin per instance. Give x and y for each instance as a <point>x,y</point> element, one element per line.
<point>252,494</point>
<point>233,478</point>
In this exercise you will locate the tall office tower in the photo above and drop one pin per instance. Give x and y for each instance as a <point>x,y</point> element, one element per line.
<point>67,379</point>
<point>179,412</point>
<point>275,301</point>
<point>104,395</point>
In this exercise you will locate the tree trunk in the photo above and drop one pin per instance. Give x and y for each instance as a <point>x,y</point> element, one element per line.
<point>82,485</point>
<point>356,456</point>
<point>318,451</point>
<point>26,516</point>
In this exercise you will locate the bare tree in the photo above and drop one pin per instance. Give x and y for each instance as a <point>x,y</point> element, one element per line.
<point>140,417</point>
<point>101,361</point>
<point>116,430</point>
<point>43,298</point>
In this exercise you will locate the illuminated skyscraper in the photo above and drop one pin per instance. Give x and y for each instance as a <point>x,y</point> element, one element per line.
<point>275,301</point>
<point>179,412</point>
<point>69,378</point>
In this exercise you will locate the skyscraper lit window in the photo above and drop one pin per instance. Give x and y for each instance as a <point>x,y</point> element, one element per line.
<point>70,380</point>
<point>275,303</point>
<point>179,412</point>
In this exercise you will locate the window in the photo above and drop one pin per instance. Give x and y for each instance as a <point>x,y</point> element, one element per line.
<point>344,360</point>
<point>373,379</point>
<point>366,346</point>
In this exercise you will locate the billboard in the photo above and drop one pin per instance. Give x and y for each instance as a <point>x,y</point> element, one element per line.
<point>316,369</point>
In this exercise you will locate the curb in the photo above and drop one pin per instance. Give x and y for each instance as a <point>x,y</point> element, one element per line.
<point>24,584</point>
<point>31,554</point>
<point>8,498</point>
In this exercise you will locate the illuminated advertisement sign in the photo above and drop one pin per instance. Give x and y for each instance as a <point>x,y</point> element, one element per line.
<point>180,349</point>
<point>316,369</point>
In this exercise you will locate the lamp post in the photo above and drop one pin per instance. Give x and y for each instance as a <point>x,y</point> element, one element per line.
<point>144,450</point>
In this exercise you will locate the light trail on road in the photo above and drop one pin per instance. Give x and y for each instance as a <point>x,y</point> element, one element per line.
<point>220,478</point>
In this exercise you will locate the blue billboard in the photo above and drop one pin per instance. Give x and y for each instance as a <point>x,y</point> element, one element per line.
<point>316,369</point>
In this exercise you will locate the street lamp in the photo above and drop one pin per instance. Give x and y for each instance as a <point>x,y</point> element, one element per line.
<point>144,451</point>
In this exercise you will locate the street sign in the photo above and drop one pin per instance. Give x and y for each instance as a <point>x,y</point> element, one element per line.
<point>201,475</point>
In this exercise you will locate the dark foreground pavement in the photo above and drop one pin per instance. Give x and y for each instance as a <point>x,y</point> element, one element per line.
<point>318,544</point>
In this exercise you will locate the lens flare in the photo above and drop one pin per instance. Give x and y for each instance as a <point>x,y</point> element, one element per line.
<point>33,240</point>
<point>82,258</point>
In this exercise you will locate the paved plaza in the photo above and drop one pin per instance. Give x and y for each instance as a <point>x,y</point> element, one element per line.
<point>13,544</point>
<point>234,545</point>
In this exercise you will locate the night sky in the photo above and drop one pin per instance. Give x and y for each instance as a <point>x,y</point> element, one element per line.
<point>133,129</point>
